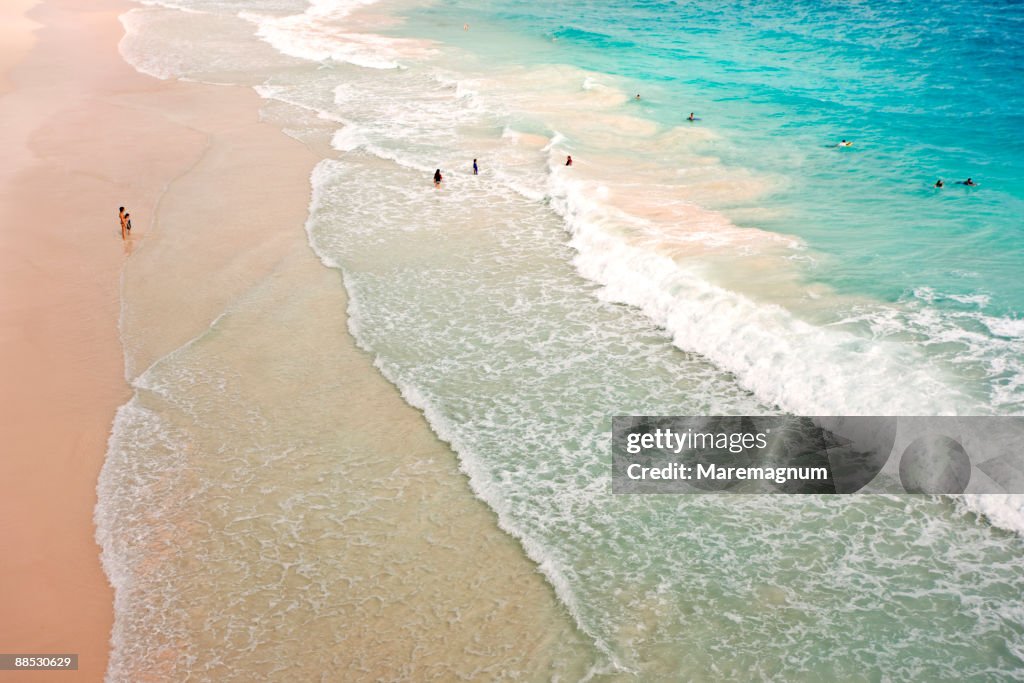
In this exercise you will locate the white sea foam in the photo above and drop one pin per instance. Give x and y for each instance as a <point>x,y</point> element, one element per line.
<point>798,366</point>
<point>461,86</point>
<point>347,139</point>
<point>956,338</point>
<point>321,33</point>
<point>272,92</point>
<point>171,5</point>
<point>323,173</point>
<point>1004,511</point>
<point>135,53</point>
<point>123,490</point>
<point>600,94</point>
<point>930,295</point>
<point>161,41</point>
<point>1010,328</point>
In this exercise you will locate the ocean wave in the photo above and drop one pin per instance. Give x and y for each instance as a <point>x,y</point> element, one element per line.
<point>801,367</point>
<point>1003,511</point>
<point>321,33</point>
<point>786,361</point>
<point>960,337</point>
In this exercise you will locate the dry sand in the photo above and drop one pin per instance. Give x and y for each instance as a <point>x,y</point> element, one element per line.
<point>16,36</point>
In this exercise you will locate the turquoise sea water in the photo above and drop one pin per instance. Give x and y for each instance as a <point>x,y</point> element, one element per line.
<point>925,90</point>
<point>741,263</point>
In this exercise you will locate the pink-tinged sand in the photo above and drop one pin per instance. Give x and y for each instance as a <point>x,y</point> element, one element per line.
<point>73,149</point>
<point>81,134</point>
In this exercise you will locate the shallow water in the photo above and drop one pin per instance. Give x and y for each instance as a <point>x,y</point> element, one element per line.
<point>762,269</point>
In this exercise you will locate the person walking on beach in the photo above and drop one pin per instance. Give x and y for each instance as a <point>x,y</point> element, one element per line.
<point>124,222</point>
<point>438,178</point>
<point>568,160</point>
<point>476,169</point>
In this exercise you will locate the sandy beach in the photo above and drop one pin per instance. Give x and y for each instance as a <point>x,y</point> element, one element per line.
<point>85,133</point>
<point>16,35</point>
<point>73,153</point>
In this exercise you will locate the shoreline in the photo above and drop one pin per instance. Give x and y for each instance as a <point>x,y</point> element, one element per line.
<point>90,311</point>
<point>263,331</point>
<point>60,319</point>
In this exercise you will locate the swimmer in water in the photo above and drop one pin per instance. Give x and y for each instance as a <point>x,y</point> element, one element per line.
<point>969,182</point>
<point>568,160</point>
<point>691,117</point>
<point>845,143</point>
<point>638,96</point>
<point>938,183</point>
<point>438,178</point>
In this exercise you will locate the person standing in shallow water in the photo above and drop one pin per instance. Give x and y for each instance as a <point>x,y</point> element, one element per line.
<point>438,178</point>
<point>568,160</point>
<point>476,169</point>
<point>124,222</point>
